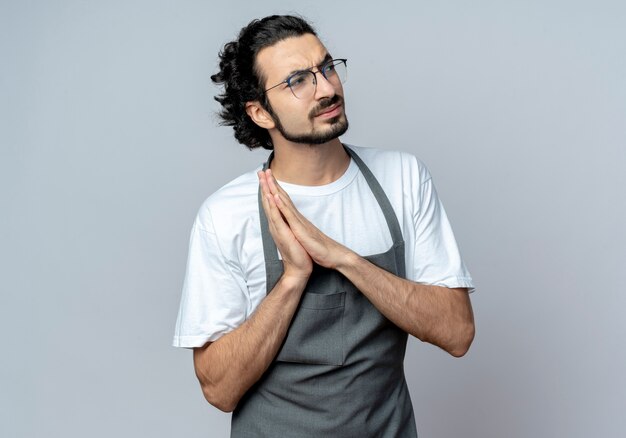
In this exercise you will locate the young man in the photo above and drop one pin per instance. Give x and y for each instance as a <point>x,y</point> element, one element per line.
<point>305,276</point>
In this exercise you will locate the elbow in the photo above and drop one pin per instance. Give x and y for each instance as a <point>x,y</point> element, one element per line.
<point>214,388</point>
<point>217,398</point>
<point>463,341</point>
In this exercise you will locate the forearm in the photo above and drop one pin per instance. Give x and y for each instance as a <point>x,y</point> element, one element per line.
<point>228,367</point>
<point>437,315</point>
<point>434,314</point>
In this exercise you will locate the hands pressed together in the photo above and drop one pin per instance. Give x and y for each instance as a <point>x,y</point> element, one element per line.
<point>299,241</point>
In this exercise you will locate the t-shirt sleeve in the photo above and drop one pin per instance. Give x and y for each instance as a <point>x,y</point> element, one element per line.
<point>437,259</point>
<point>214,297</point>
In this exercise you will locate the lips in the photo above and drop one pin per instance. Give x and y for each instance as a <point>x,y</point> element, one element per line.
<point>331,111</point>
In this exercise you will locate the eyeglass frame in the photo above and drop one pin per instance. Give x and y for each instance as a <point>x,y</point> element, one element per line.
<point>323,65</point>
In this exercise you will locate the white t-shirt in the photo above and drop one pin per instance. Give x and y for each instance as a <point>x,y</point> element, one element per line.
<point>225,278</point>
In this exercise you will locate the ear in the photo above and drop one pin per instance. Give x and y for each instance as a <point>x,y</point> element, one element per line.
<point>259,115</point>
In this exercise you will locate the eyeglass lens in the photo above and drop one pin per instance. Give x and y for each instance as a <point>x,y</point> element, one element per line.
<point>303,84</point>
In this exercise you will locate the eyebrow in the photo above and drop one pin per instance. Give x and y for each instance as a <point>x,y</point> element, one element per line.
<point>324,60</point>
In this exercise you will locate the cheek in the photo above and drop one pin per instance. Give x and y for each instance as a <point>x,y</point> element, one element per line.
<point>296,114</point>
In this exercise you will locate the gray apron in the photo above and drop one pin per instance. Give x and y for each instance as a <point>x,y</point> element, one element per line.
<point>340,370</point>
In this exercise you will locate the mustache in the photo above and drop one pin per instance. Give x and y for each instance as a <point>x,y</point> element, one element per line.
<point>325,104</point>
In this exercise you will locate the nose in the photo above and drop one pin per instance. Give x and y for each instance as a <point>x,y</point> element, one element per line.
<point>324,88</point>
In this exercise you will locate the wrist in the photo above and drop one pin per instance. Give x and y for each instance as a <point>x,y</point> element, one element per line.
<point>294,280</point>
<point>345,259</point>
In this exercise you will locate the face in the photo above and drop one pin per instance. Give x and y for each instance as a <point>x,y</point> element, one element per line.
<point>315,120</point>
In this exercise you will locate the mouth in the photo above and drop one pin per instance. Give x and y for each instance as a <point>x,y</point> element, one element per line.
<point>331,111</point>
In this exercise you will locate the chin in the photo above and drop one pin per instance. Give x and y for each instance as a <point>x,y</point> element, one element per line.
<point>331,130</point>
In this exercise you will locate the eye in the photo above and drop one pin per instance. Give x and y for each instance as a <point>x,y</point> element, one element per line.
<point>329,69</point>
<point>298,79</point>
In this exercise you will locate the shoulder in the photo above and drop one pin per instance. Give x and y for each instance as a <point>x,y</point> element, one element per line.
<point>390,163</point>
<point>232,203</point>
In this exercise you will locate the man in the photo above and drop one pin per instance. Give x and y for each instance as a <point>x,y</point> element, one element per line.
<point>304,277</point>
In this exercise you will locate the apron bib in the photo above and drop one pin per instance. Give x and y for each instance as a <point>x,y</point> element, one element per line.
<point>340,370</point>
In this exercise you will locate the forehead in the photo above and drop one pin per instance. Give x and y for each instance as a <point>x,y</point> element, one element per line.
<point>295,53</point>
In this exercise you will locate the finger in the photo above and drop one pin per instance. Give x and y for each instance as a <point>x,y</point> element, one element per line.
<point>269,207</point>
<point>264,192</point>
<point>273,183</point>
<point>280,200</point>
<point>271,223</point>
<point>275,216</point>
<point>276,189</point>
<point>300,226</point>
<point>263,182</point>
<point>289,210</point>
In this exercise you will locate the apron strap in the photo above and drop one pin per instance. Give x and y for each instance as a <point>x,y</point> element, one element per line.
<point>270,251</point>
<point>381,197</point>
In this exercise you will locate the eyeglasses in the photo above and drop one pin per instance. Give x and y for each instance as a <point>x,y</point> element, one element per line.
<point>304,83</point>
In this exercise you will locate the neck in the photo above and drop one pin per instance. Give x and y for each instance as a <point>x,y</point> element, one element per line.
<point>309,165</point>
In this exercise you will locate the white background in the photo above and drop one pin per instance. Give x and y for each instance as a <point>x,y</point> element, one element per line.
<point>109,144</point>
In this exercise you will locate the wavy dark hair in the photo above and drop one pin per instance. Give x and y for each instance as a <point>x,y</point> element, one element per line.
<point>243,81</point>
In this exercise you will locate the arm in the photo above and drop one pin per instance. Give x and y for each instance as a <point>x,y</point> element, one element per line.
<point>228,367</point>
<point>434,314</point>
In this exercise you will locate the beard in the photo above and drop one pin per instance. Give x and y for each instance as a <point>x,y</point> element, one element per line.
<point>338,125</point>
